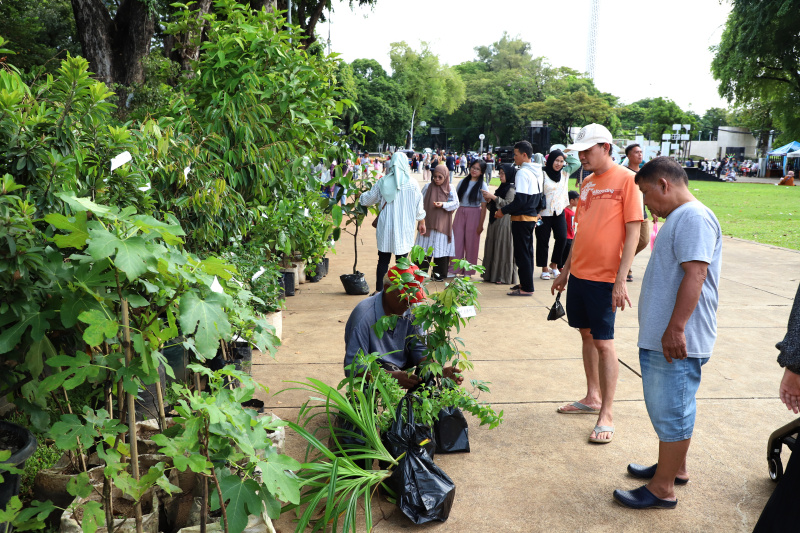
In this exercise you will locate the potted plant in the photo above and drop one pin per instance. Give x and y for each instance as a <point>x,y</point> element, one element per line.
<point>17,444</point>
<point>440,317</point>
<point>353,214</point>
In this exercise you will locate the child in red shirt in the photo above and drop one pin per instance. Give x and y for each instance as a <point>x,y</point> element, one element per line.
<point>569,212</point>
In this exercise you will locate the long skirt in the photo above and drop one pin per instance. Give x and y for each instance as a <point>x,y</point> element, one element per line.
<point>465,235</point>
<point>498,253</point>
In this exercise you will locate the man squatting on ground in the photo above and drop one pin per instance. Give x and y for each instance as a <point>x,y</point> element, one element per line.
<point>677,325</point>
<point>608,216</point>
<point>399,348</point>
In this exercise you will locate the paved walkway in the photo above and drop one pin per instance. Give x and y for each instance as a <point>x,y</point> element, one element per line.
<point>536,472</point>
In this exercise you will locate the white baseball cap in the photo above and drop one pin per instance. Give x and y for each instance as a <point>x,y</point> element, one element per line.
<point>589,136</point>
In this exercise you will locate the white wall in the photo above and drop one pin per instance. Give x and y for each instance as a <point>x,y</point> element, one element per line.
<point>731,137</point>
<point>705,149</point>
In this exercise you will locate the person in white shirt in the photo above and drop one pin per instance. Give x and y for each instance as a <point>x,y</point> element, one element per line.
<point>401,207</point>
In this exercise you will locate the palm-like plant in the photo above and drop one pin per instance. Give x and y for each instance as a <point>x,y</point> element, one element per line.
<point>332,477</point>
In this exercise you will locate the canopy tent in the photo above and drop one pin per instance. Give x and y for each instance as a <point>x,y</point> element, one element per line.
<point>793,154</point>
<point>784,150</point>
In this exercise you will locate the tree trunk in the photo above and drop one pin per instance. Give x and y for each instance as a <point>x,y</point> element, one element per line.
<point>115,47</point>
<point>258,5</point>
<point>184,48</point>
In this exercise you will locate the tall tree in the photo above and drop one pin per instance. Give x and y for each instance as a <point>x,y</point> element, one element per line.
<point>429,87</point>
<point>308,13</point>
<point>758,58</point>
<point>571,110</point>
<point>114,39</point>
<point>39,32</point>
<point>381,104</point>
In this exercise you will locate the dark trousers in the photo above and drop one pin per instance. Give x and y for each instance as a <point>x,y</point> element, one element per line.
<point>781,513</point>
<point>565,255</point>
<point>384,258</point>
<point>558,225</point>
<point>439,270</point>
<point>522,233</point>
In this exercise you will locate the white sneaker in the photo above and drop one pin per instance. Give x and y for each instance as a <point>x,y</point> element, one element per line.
<point>554,272</point>
<point>545,275</point>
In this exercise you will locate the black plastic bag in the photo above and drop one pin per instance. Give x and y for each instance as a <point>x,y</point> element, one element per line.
<point>451,431</point>
<point>424,492</point>
<point>557,311</point>
<point>402,431</point>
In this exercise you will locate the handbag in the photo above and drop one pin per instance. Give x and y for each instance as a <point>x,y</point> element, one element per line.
<point>557,311</point>
<point>375,222</point>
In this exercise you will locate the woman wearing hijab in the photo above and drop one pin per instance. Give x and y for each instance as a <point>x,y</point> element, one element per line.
<point>471,215</point>
<point>556,186</point>
<point>401,206</point>
<point>440,201</point>
<point>498,250</point>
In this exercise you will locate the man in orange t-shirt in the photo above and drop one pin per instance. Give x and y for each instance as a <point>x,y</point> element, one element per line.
<point>608,216</point>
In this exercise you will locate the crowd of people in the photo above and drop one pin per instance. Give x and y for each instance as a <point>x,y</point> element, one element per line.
<point>596,232</point>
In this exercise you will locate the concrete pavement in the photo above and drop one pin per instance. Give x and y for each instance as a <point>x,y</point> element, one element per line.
<point>536,472</point>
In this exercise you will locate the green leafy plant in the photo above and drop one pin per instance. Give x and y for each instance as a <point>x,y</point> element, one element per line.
<point>259,275</point>
<point>440,318</point>
<point>217,439</point>
<point>352,212</point>
<point>333,480</point>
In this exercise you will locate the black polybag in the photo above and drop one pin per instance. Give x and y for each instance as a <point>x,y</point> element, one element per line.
<point>451,431</point>
<point>395,440</point>
<point>424,492</point>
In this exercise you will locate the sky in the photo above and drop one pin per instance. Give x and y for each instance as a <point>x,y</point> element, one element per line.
<point>644,49</point>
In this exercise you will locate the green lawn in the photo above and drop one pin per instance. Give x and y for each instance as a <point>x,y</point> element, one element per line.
<point>754,211</point>
<point>757,212</point>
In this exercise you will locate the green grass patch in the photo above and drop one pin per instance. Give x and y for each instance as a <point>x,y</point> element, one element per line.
<point>753,211</point>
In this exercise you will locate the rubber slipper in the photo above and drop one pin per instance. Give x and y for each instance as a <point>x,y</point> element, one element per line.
<point>647,472</point>
<point>602,429</point>
<point>518,292</point>
<point>515,287</point>
<point>580,409</point>
<point>642,498</point>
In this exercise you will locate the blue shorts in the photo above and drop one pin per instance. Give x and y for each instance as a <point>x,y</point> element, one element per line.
<point>669,393</point>
<point>589,307</point>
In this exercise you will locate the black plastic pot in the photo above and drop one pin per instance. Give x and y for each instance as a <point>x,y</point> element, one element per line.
<point>326,263</point>
<point>22,444</point>
<point>178,358</point>
<point>242,354</point>
<point>318,273</point>
<point>288,282</point>
<point>355,284</point>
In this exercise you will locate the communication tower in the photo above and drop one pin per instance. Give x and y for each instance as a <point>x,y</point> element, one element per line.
<point>591,50</point>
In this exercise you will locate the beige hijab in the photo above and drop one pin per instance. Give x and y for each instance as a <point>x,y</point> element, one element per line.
<point>436,217</point>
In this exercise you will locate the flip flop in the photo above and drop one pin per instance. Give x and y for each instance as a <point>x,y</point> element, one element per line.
<point>602,429</point>
<point>580,409</point>
<point>518,292</point>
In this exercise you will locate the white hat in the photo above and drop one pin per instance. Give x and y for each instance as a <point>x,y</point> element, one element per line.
<point>589,136</point>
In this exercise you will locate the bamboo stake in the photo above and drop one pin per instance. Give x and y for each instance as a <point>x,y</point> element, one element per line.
<point>81,456</point>
<point>204,502</point>
<point>162,417</point>
<point>131,413</point>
